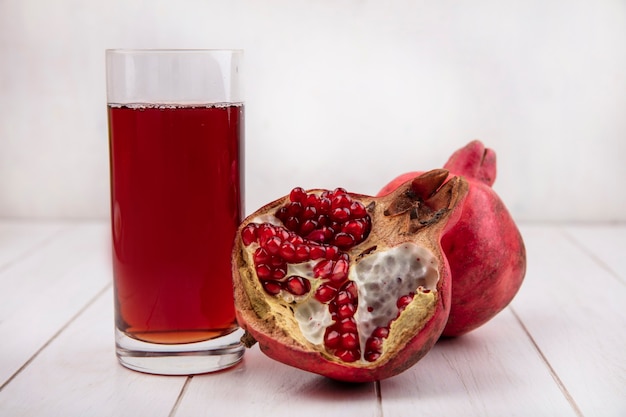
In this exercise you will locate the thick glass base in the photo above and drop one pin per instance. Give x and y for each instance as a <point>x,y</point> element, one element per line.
<point>179,359</point>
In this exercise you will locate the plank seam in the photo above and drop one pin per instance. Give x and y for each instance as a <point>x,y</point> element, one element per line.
<point>34,249</point>
<point>379,399</point>
<point>181,394</point>
<point>56,335</point>
<point>591,254</point>
<point>553,373</point>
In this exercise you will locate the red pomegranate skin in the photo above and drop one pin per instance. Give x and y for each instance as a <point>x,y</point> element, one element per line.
<point>484,249</point>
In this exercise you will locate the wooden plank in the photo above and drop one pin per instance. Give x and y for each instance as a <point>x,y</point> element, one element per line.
<point>573,308</point>
<point>77,374</point>
<point>563,356</point>
<point>260,386</point>
<point>605,243</point>
<point>492,371</point>
<point>43,291</point>
<point>18,239</point>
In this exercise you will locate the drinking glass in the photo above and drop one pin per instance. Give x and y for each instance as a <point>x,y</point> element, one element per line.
<point>176,143</point>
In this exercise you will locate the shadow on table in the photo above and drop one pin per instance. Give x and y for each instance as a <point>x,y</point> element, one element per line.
<point>488,359</point>
<point>419,377</point>
<point>319,388</point>
<point>441,372</point>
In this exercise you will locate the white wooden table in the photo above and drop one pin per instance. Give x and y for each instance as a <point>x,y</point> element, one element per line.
<point>558,350</point>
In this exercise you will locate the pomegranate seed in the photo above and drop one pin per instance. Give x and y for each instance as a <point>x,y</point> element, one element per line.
<point>344,240</point>
<point>347,355</point>
<point>357,210</point>
<point>309,212</point>
<point>343,297</point>
<point>298,195</point>
<point>368,226</point>
<point>292,223</point>
<point>302,253</point>
<point>276,261</point>
<point>261,256</point>
<point>340,214</point>
<point>295,239</point>
<point>307,227</point>
<point>324,205</point>
<point>335,284</point>
<point>312,200</point>
<point>317,236</point>
<point>332,309</point>
<point>279,272</point>
<point>317,252</point>
<point>328,233</point>
<point>325,293</point>
<point>294,209</point>
<point>355,228</point>
<point>272,245</point>
<point>334,227</point>
<point>248,234</point>
<point>349,341</point>
<point>265,232</point>
<point>345,311</point>
<point>351,288</point>
<point>332,252</point>
<point>381,332</point>
<point>339,191</point>
<point>271,287</point>
<point>348,325</point>
<point>371,356</point>
<point>340,201</point>
<point>298,285</point>
<point>283,233</point>
<point>281,213</point>
<point>323,268</point>
<point>264,272</point>
<point>323,220</point>
<point>339,271</point>
<point>404,301</point>
<point>374,344</point>
<point>287,251</point>
<point>332,338</point>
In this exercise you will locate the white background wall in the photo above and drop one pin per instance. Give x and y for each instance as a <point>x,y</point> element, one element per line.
<point>339,93</point>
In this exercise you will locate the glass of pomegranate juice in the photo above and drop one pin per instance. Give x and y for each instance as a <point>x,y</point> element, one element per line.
<point>176,164</point>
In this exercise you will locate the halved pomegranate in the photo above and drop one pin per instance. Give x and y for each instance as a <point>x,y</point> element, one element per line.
<point>349,286</point>
<point>484,248</point>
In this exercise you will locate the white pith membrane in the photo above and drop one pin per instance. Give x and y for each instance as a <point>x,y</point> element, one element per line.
<point>385,276</point>
<point>382,277</point>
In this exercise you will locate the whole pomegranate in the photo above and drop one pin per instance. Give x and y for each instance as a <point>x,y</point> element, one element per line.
<point>352,287</point>
<point>484,248</point>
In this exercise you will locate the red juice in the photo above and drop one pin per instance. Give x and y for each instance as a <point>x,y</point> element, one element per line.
<point>176,202</point>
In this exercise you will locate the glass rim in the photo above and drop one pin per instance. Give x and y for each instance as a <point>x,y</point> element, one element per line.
<point>183,76</point>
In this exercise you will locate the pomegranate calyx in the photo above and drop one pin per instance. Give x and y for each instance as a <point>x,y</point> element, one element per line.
<point>427,184</point>
<point>474,161</point>
<point>421,189</point>
<point>426,200</point>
